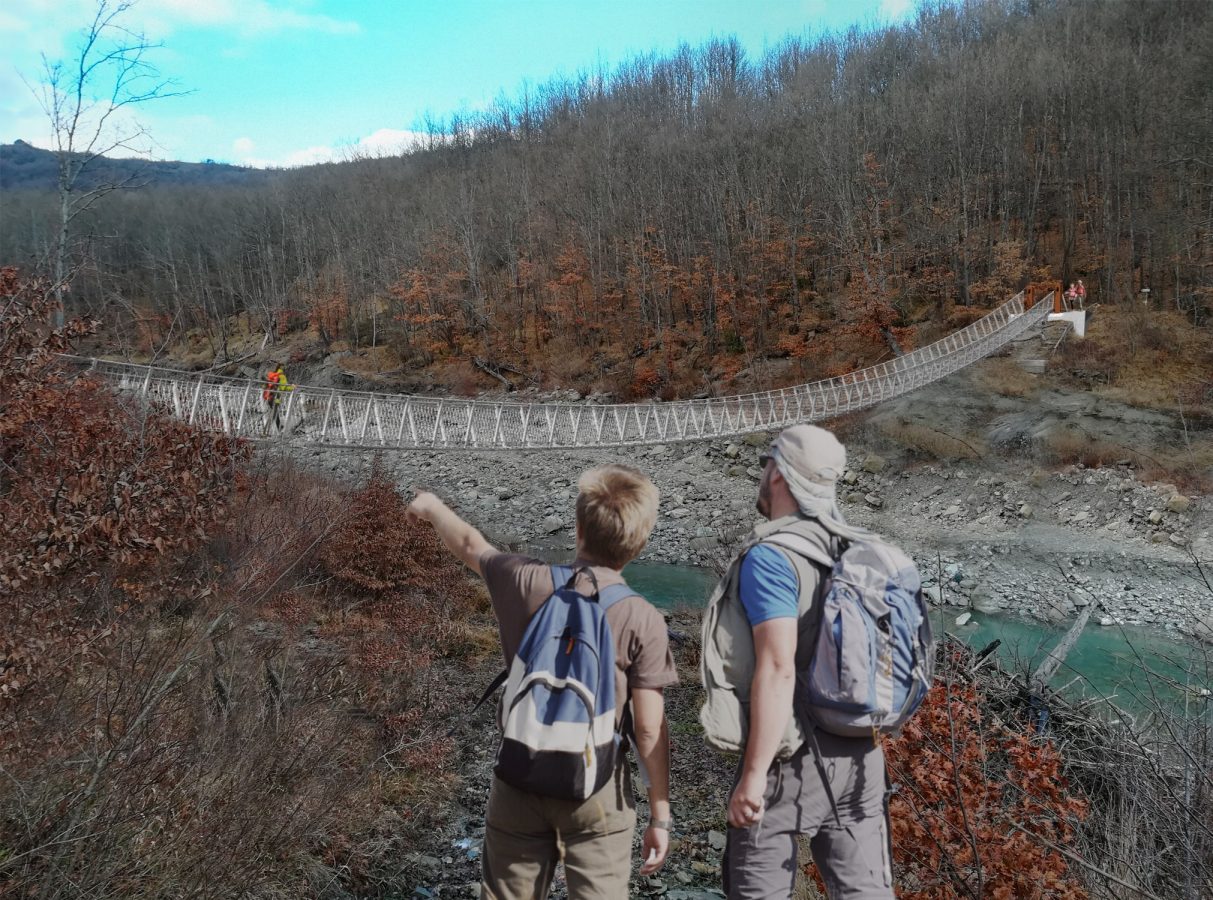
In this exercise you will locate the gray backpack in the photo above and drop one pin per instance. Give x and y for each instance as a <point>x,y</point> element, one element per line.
<point>865,652</point>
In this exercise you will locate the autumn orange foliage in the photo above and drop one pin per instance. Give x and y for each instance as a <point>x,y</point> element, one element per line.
<point>89,482</point>
<point>981,807</point>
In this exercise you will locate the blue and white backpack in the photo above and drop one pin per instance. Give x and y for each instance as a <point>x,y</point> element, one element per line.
<point>557,715</point>
<point>865,654</point>
<point>873,653</point>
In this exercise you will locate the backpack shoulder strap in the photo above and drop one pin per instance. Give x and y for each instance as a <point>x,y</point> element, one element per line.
<point>561,576</point>
<point>801,546</point>
<point>613,593</point>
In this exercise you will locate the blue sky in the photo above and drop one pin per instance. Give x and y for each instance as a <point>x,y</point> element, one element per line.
<point>288,82</point>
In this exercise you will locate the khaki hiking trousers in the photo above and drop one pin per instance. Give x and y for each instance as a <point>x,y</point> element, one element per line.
<point>760,862</point>
<point>527,834</point>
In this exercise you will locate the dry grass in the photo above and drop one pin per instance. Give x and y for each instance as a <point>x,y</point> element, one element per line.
<point>1189,468</point>
<point>930,442</point>
<point>1003,376</point>
<point>1155,360</point>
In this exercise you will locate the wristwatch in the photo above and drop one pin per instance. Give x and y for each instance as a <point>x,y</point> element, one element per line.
<point>663,824</point>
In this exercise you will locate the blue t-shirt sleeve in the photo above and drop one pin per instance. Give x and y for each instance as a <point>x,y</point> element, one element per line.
<point>769,588</point>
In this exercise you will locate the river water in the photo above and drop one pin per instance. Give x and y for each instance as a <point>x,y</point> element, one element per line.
<point>1128,665</point>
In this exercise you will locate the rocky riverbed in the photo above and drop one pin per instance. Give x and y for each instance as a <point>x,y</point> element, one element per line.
<point>1037,543</point>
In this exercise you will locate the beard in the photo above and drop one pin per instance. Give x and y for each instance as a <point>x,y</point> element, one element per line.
<point>763,503</point>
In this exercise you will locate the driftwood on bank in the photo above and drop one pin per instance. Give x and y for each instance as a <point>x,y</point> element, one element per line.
<point>1052,662</point>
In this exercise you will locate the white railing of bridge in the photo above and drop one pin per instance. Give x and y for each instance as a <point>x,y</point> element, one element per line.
<point>323,416</point>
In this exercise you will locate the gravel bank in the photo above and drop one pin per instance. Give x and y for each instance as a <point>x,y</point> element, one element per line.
<point>1038,544</point>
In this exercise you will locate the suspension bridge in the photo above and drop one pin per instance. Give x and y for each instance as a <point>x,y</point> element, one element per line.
<point>333,417</point>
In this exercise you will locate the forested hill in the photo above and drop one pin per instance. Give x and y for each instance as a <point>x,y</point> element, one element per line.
<point>26,167</point>
<point>665,227</point>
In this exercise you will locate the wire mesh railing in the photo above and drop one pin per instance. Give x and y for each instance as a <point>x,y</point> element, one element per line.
<point>328,416</point>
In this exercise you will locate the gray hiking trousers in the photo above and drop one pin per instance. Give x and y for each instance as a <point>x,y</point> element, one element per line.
<point>760,861</point>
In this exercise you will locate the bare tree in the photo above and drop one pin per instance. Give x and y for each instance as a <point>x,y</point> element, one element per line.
<point>85,98</point>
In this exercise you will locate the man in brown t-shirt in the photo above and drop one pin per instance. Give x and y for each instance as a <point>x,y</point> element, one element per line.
<point>526,833</point>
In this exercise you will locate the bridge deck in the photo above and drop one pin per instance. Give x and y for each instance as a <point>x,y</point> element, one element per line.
<point>324,416</point>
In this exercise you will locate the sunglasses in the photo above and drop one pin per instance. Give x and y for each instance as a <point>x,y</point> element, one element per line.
<point>763,459</point>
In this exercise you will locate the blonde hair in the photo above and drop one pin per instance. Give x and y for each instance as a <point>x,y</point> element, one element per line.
<point>616,511</point>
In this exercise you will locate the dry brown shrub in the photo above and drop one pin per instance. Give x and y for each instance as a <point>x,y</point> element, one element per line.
<point>232,687</point>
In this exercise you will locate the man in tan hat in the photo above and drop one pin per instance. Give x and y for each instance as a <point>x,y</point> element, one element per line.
<point>791,781</point>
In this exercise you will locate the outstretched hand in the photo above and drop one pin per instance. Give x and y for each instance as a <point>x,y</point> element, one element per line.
<point>654,848</point>
<point>422,508</point>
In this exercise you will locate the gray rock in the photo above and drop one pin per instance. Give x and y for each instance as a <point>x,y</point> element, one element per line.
<point>1026,510</point>
<point>552,524</point>
<point>732,451</point>
<point>758,439</point>
<point>984,600</point>
<point>705,543</point>
<point>1178,504</point>
<point>1155,517</point>
<point>874,464</point>
<point>716,840</point>
<point>1179,540</point>
<point>850,476</point>
<point>873,501</point>
<point>680,513</point>
<point>735,471</point>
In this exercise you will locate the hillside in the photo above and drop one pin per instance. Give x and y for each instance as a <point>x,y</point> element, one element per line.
<point>24,167</point>
<point>707,218</point>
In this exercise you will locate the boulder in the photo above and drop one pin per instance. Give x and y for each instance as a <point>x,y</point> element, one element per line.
<point>1179,504</point>
<point>873,501</point>
<point>732,451</point>
<point>552,524</point>
<point>874,464</point>
<point>984,600</point>
<point>1155,517</point>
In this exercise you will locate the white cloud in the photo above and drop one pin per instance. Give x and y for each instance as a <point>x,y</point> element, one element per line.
<point>896,9</point>
<point>390,142</point>
<point>380,143</point>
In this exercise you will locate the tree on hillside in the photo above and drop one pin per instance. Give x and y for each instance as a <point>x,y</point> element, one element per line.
<point>86,99</point>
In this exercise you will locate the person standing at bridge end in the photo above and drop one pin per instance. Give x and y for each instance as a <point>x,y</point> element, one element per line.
<point>532,822</point>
